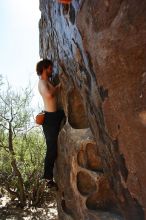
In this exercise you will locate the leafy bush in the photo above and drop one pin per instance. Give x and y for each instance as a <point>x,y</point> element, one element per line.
<point>22,147</point>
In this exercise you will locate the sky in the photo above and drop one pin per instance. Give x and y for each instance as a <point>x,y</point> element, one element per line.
<point>19,41</point>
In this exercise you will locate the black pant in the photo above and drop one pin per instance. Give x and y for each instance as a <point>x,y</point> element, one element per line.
<point>51,130</point>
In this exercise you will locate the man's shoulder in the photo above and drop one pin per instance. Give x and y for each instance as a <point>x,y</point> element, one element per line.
<point>42,83</point>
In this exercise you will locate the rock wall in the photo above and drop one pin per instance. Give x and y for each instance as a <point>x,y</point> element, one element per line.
<point>100,46</point>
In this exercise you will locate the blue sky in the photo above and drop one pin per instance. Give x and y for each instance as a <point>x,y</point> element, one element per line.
<point>19,43</point>
<point>19,40</point>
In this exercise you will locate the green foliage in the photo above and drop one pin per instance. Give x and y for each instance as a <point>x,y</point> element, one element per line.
<point>21,146</point>
<point>29,151</point>
<point>15,107</point>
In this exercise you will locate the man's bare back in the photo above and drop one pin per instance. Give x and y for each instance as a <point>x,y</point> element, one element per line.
<point>48,93</point>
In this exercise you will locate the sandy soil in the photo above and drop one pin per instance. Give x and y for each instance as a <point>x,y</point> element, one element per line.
<point>10,211</point>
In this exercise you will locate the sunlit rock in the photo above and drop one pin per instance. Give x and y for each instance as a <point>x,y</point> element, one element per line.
<point>99,46</point>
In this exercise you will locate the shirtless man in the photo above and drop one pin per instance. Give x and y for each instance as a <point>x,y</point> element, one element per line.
<point>53,116</point>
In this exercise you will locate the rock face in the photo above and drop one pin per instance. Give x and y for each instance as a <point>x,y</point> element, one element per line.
<point>99,45</point>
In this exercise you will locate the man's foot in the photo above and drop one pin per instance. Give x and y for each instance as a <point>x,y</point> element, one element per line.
<point>52,185</point>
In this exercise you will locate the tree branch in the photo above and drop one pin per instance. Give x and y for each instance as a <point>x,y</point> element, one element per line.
<point>4,126</point>
<point>3,100</point>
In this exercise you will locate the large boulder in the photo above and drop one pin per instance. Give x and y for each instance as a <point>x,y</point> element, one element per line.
<point>100,48</point>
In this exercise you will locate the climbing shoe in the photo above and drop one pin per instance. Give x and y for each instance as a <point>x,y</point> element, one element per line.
<point>52,185</point>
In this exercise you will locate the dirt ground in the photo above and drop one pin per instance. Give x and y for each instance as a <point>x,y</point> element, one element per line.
<point>10,211</point>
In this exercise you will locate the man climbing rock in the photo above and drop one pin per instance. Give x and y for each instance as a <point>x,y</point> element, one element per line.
<point>53,116</point>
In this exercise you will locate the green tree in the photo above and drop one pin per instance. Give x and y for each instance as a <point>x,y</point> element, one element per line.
<point>21,146</point>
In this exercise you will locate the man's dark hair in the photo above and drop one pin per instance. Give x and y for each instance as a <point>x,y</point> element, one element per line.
<point>43,64</point>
